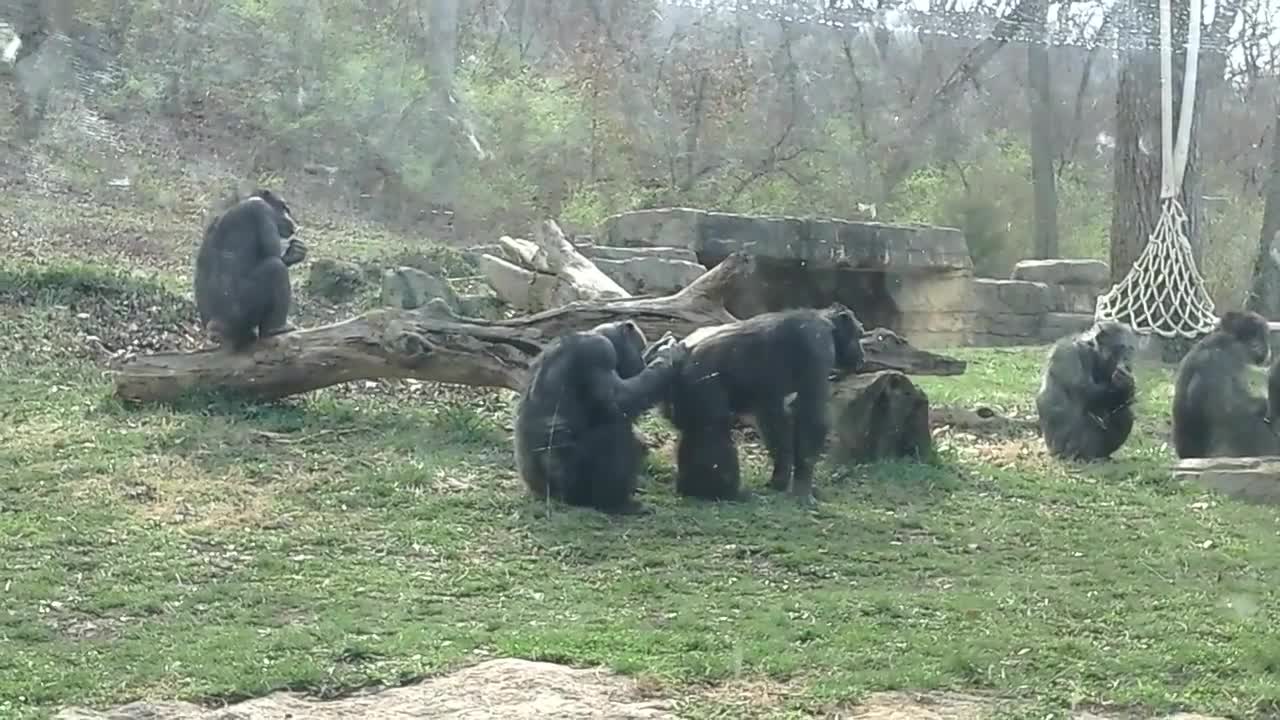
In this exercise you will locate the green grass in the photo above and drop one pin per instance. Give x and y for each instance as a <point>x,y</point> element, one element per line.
<point>374,534</point>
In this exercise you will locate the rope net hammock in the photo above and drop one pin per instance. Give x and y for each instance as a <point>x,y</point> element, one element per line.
<point>1163,293</point>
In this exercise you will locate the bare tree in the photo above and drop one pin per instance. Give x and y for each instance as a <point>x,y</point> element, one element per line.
<point>442,46</point>
<point>1043,136</point>
<point>1264,297</point>
<point>1136,208</point>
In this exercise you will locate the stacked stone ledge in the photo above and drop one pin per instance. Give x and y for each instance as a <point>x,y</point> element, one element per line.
<point>916,279</point>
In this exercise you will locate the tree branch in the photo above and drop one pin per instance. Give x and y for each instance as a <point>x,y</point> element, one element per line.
<point>428,344</point>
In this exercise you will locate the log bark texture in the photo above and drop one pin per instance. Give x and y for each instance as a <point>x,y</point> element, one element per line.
<point>981,419</point>
<point>879,416</point>
<point>429,344</point>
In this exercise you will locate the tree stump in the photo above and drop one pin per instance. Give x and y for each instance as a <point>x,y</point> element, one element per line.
<point>879,416</point>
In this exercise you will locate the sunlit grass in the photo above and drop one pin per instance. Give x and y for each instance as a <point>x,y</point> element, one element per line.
<point>342,539</point>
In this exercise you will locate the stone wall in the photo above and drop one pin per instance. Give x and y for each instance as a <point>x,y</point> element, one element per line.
<point>949,311</point>
<point>917,280</point>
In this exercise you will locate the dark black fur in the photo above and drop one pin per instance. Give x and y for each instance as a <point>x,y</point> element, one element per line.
<point>750,368</point>
<point>1086,394</point>
<point>573,435</point>
<point>242,270</point>
<point>1214,412</point>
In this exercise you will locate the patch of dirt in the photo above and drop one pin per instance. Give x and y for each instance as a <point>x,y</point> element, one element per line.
<point>512,689</point>
<point>960,706</point>
<point>495,690</point>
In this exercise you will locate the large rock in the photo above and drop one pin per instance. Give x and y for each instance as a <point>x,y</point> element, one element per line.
<point>828,243</point>
<point>1012,296</point>
<point>1058,325</point>
<point>335,280</point>
<point>650,275</point>
<point>1074,298</point>
<point>645,270</point>
<point>409,288</point>
<point>606,252</point>
<point>1250,479</point>
<point>1064,272</point>
<point>523,289</point>
<point>667,227</point>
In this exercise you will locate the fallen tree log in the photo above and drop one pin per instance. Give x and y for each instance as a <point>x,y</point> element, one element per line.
<point>981,419</point>
<point>431,343</point>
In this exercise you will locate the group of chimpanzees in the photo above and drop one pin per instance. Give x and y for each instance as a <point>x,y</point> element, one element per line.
<point>1087,391</point>
<point>573,434</point>
<point>574,439</point>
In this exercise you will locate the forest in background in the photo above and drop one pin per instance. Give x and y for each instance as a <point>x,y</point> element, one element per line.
<point>460,120</point>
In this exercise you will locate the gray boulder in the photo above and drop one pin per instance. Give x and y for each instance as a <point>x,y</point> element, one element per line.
<point>409,288</point>
<point>335,280</point>
<point>1064,272</point>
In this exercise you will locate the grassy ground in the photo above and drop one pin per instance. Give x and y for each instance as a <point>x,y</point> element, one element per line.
<point>375,533</point>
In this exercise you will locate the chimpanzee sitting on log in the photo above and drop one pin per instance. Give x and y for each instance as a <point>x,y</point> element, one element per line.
<point>1085,402</point>
<point>573,432</point>
<point>750,368</point>
<point>242,270</point>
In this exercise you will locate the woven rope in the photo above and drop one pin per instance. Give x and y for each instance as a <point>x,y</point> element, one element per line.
<point>1163,293</point>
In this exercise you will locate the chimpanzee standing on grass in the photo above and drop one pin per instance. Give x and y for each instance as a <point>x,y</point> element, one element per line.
<point>751,368</point>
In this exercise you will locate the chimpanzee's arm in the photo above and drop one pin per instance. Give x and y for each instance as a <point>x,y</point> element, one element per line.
<point>637,394</point>
<point>269,244</point>
<point>1072,367</point>
<point>658,346</point>
<point>296,251</point>
<point>617,397</point>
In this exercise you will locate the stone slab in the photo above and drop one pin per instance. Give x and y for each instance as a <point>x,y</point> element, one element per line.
<point>822,241</point>
<point>1064,271</point>
<point>1250,479</point>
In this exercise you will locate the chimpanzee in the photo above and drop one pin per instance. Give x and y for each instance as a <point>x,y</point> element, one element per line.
<point>1087,392</point>
<point>573,433</point>
<point>1214,412</point>
<point>751,367</point>
<point>1273,395</point>
<point>242,271</point>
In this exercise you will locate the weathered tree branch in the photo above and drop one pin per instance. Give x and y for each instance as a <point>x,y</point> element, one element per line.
<point>428,344</point>
<point>432,344</point>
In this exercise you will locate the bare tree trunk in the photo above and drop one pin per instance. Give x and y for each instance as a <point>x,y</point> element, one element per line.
<point>1136,208</point>
<point>1264,297</point>
<point>1209,91</point>
<point>34,22</point>
<point>1043,137</point>
<point>442,56</point>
